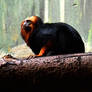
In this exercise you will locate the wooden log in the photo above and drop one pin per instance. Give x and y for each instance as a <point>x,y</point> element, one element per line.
<point>62,73</point>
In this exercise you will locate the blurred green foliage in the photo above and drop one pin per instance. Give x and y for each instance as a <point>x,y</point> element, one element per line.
<point>89,44</point>
<point>12,13</point>
<point>74,12</point>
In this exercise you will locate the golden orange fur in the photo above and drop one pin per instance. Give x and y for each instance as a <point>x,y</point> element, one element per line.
<point>25,34</point>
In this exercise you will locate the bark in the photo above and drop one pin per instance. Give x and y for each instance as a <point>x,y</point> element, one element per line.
<point>64,73</point>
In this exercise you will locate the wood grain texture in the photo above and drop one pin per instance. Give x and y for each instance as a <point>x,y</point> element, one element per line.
<point>45,74</point>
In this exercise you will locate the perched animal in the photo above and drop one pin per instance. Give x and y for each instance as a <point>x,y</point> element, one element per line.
<point>47,39</point>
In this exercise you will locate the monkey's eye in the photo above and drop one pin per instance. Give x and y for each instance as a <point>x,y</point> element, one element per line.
<point>29,21</point>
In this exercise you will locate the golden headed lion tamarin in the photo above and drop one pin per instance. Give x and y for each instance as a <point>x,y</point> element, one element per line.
<point>47,39</point>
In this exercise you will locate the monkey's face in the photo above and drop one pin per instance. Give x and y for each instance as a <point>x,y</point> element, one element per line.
<point>28,25</point>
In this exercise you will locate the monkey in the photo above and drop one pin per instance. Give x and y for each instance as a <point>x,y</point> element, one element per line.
<point>47,39</point>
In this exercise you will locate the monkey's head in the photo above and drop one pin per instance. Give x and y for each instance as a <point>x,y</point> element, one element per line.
<point>29,25</point>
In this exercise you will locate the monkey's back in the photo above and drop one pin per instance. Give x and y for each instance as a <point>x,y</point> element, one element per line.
<point>63,37</point>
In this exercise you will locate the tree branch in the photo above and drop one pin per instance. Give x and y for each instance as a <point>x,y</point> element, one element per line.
<point>45,74</point>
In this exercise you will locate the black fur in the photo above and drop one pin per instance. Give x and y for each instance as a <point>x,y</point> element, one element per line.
<point>65,39</point>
